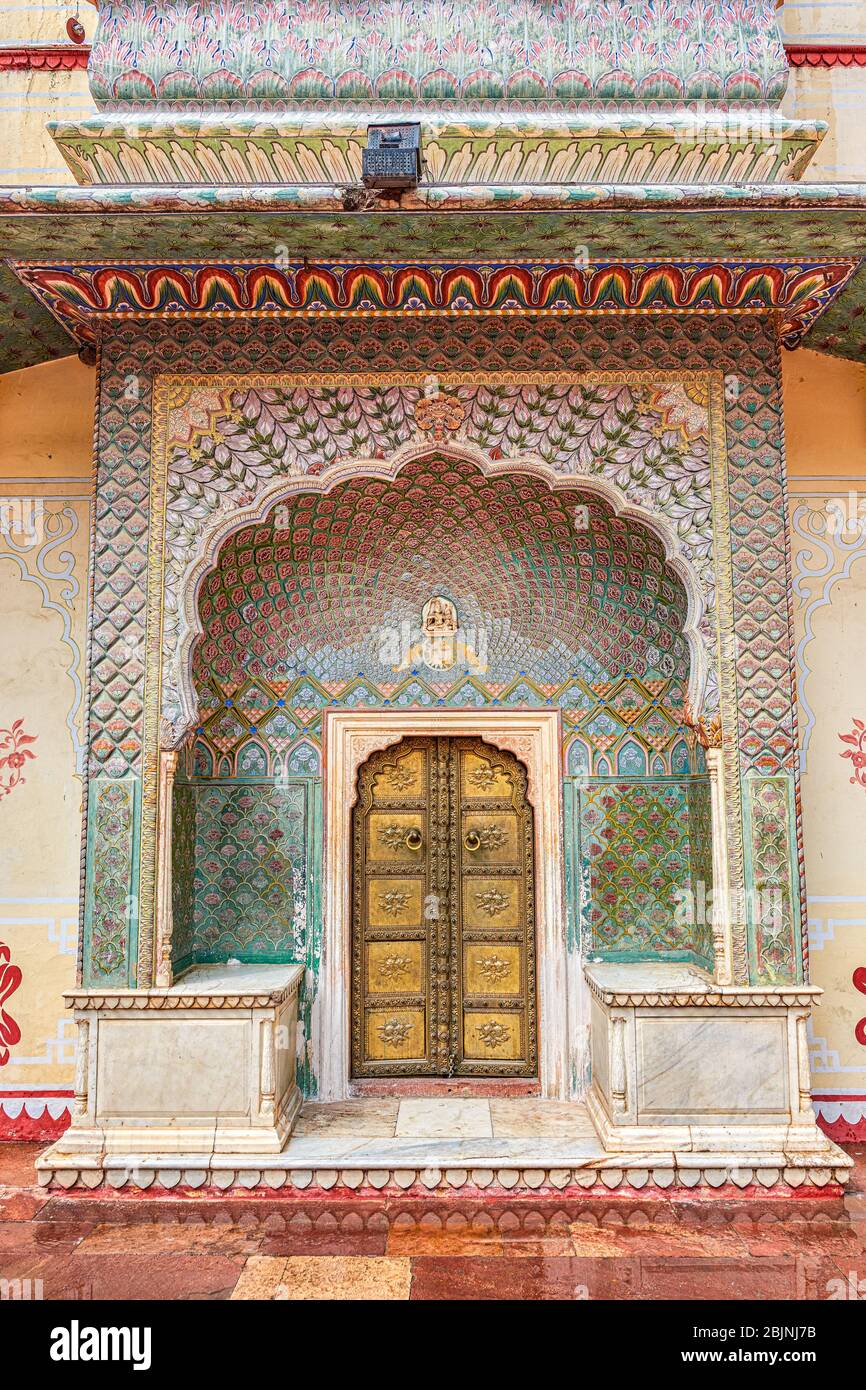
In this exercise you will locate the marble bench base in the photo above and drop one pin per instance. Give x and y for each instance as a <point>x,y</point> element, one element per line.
<point>717,1073</point>
<point>205,1065</point>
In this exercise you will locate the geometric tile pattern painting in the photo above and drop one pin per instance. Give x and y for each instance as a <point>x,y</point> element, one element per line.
<point>250,871</point>
<point>636,865</point>
<point>772,907</point>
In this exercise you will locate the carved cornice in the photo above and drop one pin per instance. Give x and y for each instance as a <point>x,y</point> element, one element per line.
<point>170,1000</point>
<point>826,55</point>
<point>710,997</point>
<point>52,56</point>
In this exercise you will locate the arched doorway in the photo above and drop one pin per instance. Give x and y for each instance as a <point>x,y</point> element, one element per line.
<point>444,601</point>
<point>443,917</point>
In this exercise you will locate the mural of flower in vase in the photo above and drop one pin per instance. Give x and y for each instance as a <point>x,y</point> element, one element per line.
<point>857,752</point>
<point>13,756</point>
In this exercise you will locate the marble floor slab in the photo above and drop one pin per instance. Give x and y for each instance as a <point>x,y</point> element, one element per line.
<point>424,1118</point>
<point>376,1118</point>
<point>525,1118</point>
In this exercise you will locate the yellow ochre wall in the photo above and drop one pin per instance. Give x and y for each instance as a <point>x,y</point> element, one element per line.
<point>31,98</point>
<point>46,426</point>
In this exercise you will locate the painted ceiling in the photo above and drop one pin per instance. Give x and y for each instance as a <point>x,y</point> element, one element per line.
<point>579,226</point>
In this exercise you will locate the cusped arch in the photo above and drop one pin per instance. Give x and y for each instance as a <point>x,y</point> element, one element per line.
<point>179,705</point>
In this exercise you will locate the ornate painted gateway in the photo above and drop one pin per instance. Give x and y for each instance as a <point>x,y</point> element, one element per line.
<point>441,710</point>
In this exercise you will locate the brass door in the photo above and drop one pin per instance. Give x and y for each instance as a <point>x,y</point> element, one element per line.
<point>443,931</point>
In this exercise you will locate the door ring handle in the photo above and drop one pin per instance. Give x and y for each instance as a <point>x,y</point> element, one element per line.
<point>472,841</point>
<point>413,839</point>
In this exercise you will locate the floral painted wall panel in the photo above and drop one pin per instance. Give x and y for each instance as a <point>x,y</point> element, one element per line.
<point>640,896</point>
<point>251,872</point>
<point>44,534</point>
<point>828,537</point>
<point>195,52</point>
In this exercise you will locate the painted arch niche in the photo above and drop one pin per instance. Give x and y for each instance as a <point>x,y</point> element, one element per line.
<point>557,602</point>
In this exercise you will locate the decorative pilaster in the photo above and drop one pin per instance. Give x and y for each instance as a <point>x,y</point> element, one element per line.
<point>723,945</point>
<point>167,770</point>
<point>803,1070</point>
<point>267,1078</point>
<point>617,1065</point>
<point>82,1070</point>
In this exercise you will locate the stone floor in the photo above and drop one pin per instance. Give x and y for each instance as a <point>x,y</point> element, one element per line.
<point>295,1247</point>
<point>451,1126</point>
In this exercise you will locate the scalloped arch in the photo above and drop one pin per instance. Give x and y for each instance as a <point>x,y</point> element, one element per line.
<point>179,706</point>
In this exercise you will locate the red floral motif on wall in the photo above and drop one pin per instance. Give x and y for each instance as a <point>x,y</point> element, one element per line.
<point>13,756</point>
<point>858,980</point>
<point>857,751</point>
<point>10,979</point>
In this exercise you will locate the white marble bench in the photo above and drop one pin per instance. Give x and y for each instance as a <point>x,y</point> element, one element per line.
<point>205,1063</point>
<point>721,1072</point>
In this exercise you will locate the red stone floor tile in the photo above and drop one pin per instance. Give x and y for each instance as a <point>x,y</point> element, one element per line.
<point>16,1164</point>
<point>444,1233</point>
<point>79,1276</point>
<point>21,1206</point>
<point>645,1232</point>
<point>533,1278</point>
<point>800,1238</point>
<point>724,1279</point>
<point>20,1235</point>
<point>156,1238</point>
<point>322,1231</point>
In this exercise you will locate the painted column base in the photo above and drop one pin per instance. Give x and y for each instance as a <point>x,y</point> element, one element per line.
<point>204,1065</point>
<point>717,1074</point>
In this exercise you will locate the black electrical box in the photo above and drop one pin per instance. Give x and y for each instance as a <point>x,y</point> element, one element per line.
<point>392,157</point>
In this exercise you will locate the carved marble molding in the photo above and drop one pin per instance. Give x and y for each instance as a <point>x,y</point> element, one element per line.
<point>693,1176</point>
<point>165,1000</point>
<point>710,997</point>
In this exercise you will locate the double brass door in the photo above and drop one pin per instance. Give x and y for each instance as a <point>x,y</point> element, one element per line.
<point>443,938</point>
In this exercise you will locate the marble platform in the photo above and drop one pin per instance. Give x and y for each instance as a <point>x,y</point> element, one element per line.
<point>419,1146</point>
<point>697,1088</point>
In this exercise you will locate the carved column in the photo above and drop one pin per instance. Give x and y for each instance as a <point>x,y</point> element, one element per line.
<point>723,945</point>
<point>618,1082</point>
<point>804,1075</point>
<point>167,770</point>
<point>267,1074</point>
<point>82,1070</point>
